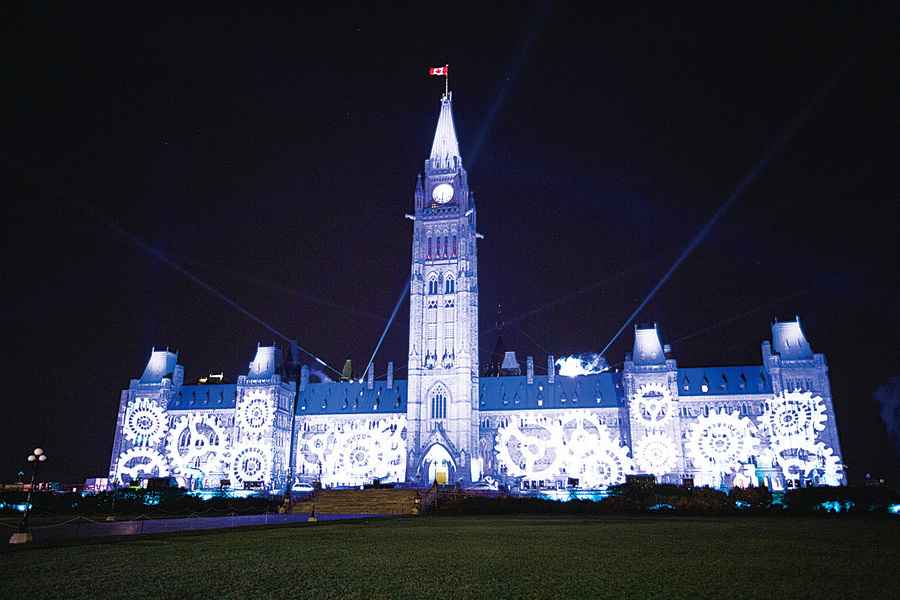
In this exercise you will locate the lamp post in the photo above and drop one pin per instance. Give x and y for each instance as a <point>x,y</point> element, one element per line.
<point>23,536</point>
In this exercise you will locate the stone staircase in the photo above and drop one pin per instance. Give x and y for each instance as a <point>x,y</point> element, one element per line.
<point>375,501</point>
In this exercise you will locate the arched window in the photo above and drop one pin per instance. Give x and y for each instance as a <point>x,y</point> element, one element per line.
<point>439,402</point>
<point>449,285</point>
<point>432,286</point>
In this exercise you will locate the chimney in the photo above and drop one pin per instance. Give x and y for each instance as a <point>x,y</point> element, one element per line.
<point>551,369</point>
<point>390,375</point>
<point>370,378</point>
<point>529,367</point>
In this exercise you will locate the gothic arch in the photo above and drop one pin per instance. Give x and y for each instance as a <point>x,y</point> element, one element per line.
<point>438,401</point>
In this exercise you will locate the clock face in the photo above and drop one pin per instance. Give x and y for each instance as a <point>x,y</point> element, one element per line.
<point>442,193</point>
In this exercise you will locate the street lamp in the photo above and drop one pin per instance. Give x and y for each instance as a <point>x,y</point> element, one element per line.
<point>23,536</point>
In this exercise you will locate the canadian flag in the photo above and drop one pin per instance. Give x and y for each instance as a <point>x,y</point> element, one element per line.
<point>439,71</point>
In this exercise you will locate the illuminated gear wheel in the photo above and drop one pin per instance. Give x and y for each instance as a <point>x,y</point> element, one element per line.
<point>655,453</point>
<point>256,413</point>
<point>801,462</point>
<point>794,419</point>
<point>145,422</point>
<point>138,461</point>
<point>653,404</point>
<point>832,469</point>
<point>252,463</point>
<point>197,442</point>
<point>594,454</point>
<point>721,441</point>
<point>360,455</point>
<point>532,450</point>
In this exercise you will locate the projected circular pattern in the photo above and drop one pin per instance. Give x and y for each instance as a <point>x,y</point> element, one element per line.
<point>145,422</point>
<point>721,441</point>
<point>197,441</point>
<point>256,412</point>
<point>140,461</point>
<point>654,404</point>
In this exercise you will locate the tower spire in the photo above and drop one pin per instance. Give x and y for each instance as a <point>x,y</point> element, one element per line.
<point>445,148</point>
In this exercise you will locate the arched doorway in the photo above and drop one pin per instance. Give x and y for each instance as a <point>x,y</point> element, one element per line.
<point>439,465</point>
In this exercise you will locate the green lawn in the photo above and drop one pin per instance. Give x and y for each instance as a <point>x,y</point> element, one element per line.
<point>440,557</point>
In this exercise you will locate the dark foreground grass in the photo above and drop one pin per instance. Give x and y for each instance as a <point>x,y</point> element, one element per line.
<point>491,557</point>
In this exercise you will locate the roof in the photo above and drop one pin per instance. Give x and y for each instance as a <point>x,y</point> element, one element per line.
<point>266,362</point>
<point>206,396</point>
<point>789,341</point>
<point>648,349</point>
<point>514,393</point>
<point>161,365</point>
<point>445,146</point>
<point>346,397</point>
<point>510,361</point>
<point>721,381</point>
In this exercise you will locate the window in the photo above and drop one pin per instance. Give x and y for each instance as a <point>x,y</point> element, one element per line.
<point>438,405</point>
<point>432,286</point>
<point>454,247</point>
<point>429,246</point>
<point>449,286</point>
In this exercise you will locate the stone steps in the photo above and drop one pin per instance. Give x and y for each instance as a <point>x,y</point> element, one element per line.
<point>361,502</point>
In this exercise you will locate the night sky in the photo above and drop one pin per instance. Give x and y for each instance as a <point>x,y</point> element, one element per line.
<point>275,154</point>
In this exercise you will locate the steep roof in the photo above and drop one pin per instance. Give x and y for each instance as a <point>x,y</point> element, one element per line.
<point>445,147</point>
<point>513,393</point>
<point>339,398</point>
<point>789,341</point>
<point>266,363</point>
<point>723,381</point>
<point>197,397</point>
<point>161,365</point>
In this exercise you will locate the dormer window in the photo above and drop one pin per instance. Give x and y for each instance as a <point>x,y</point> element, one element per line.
<point>704,387</point>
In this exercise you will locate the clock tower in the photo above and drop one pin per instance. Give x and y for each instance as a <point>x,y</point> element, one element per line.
<point>442,409</point>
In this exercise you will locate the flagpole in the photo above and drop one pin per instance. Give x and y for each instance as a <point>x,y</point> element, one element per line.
<point>446,80</point>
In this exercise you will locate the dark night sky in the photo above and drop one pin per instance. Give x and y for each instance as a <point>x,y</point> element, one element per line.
<point>274,154</point>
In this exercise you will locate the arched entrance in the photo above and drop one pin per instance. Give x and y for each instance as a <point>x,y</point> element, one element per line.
<point>439,465</point>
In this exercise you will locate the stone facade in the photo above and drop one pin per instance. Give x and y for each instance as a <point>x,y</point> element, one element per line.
<point>770,424</point>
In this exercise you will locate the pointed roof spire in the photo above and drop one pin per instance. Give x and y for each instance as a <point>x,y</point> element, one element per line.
<point>445,148</point>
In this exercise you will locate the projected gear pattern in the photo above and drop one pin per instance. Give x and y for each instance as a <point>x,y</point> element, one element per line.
<point>721,441</point>
<point>138,461</point>
<point>197,442</point>
<point>256,413</point>
<point>803,462</point>
<point>655,454</point>
<point>593,454</point>
<point>252,463</point>
<point>356,452</point>
<point>145,422</point>
<point>794,419</point>
<point>654,404</point>
<point>532,449</point>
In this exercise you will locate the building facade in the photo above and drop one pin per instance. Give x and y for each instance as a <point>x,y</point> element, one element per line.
<point>769,424</point>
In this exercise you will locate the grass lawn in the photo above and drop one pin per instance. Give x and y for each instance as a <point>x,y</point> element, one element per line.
<point>440,557</point>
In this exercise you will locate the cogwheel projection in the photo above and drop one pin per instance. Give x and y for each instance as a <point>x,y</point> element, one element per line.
<point>653,404</point>
<point>530,446</point>
<point>816,461</point>
<point>793,419</point>
<point>252,463</point>
<point>140,462</point>
<point>721,441</point>
<point>593,454</point>
<point>655,453</point>
<point>256,412</point>
<point>365,451</point>
<point>198,442</point>
<point>145,422</point>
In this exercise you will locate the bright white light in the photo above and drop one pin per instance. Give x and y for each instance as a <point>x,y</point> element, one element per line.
<point>145,422</point>
<point>256,412</point>
<point>138,461</point>
<point>198,442</point>
<point>655,454</point>
<point>794,419</point>
<point>355,452</point>
<point>573,444</point>
<point>581,364</point>
<point>252,462</point>
<point>721,441</point>
<point>653,405</point>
